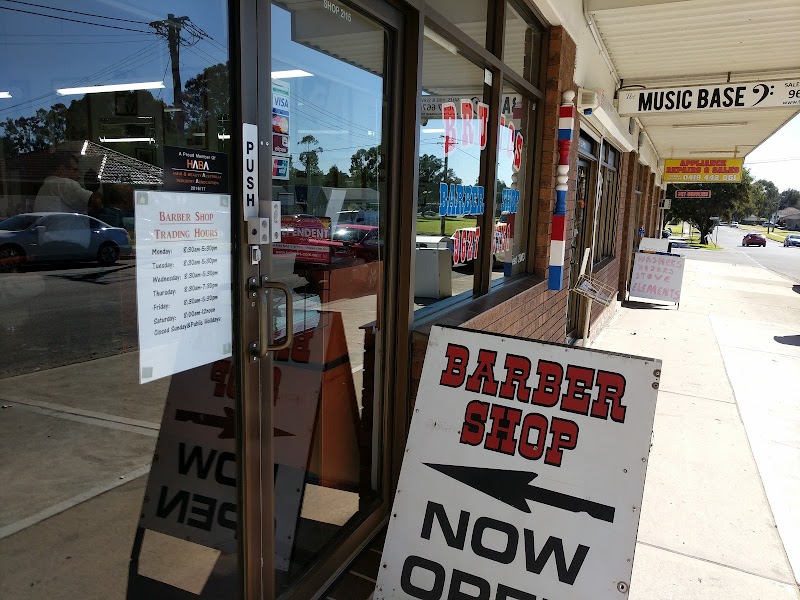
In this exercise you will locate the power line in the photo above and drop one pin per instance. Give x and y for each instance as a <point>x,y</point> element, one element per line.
<point>75,12</point>
<point>762,162</point>
<point>131,61</point>
<point>28,12</point>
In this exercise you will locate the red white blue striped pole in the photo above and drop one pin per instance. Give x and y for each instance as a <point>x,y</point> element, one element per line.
<point>558,230</point>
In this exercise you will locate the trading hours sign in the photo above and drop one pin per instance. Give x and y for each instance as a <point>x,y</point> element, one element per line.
<point>523,473</point>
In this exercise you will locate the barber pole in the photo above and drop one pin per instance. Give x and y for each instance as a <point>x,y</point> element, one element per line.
<point>558,232</point>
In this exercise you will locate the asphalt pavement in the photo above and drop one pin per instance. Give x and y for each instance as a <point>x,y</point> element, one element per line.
<point>776,258</point>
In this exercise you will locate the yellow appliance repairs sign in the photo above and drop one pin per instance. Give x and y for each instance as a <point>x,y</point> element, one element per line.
<point>703,170</point>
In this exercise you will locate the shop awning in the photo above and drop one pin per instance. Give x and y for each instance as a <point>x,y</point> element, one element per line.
<point>672,43</point>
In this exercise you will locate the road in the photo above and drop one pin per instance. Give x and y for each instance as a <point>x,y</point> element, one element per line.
<point>776,258</point>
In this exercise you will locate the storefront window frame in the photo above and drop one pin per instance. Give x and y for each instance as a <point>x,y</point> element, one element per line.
<point>496,72</point>
<point>526,208</point>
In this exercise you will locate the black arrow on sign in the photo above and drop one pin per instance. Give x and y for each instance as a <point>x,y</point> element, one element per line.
<point>512,487</point>
<point>224,422</point>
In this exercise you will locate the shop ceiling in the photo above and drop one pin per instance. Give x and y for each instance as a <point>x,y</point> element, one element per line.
<point>681,43</point>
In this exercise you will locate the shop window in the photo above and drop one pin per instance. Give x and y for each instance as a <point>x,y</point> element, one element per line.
<point>522,43</point>
<point>607,207</point>
<point>468,17</point>
<point>512,206</point>
<point>451,190</point>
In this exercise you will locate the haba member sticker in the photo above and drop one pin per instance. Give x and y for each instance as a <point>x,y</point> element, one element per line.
<point>523,473</point>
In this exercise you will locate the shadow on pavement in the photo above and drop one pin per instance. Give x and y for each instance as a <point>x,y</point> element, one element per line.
<point>645,305</point>
<point>789,340</point>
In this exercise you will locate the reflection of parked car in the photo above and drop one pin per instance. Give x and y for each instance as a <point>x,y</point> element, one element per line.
<point>754,239</point>
<point>734,223</point>
<point>792,240</point>
<point>50,237</point>
<point>356,241</point>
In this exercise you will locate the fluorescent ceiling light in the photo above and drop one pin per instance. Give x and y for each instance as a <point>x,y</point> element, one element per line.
<point>290,74</point>
<point>435,37</point>
<point>121,140</point>
<point>223,136</point>
<point>117,87</point>
<point>5,94</point>
<point>433,131</point>
<point>699,125</point>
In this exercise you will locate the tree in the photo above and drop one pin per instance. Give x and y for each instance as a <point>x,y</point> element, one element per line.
<point>310,156</point>
<point>790,197</point>
<point>771,198</point>
<point>726,199</point>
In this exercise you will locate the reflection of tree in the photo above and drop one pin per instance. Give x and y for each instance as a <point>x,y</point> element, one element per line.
<point>44,129</point>
<point>431,174</point>
<point>310,156</point>
<point>365,167</point>
<point>206,97</point>
<point>335,178</point>
<point>206,100</point>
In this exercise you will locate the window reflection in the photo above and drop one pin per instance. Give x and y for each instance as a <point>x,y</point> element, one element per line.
<point>451,190</point>
<point>329,175</point>
<point>512,206</point>
<point>93,99</point>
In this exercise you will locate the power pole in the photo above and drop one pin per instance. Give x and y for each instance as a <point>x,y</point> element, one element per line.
<point>171,29</point>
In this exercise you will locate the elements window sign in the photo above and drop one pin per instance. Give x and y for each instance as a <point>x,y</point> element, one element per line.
<point>183,281</point>
<point>523,473</point>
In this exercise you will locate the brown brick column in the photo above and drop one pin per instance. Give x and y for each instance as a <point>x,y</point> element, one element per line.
<point>628,228</point>
<point>651,216</point>
<point>560,73</point>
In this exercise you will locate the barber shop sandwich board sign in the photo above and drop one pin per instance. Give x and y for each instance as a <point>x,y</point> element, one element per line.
<point>523,474</point>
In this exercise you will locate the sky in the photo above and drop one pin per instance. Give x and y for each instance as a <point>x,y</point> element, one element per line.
<point>778,159</point>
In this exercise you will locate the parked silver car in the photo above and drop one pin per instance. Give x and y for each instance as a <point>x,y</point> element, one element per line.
<point>52,237</point>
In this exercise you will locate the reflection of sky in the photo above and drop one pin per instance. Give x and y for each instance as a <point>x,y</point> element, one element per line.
<point>465,162</point>
<point>340,105</point>
<point>41,54</point>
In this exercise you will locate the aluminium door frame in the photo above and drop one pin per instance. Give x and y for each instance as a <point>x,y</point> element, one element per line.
<point>252,78</point>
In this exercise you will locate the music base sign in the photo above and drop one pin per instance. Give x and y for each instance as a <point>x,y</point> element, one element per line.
<point>523,473</point>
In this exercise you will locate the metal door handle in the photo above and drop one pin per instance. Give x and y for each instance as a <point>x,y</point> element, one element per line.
<point>263,322</point>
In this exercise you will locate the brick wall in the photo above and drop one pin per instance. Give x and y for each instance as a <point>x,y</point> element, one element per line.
<point>627,188</point>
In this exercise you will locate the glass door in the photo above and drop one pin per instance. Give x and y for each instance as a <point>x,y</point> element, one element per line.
<point>332,93</point>
<point>118,328</point>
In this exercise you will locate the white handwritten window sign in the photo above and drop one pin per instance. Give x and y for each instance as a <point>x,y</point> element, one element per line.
<point>523,473</point>
<point>657,276</point>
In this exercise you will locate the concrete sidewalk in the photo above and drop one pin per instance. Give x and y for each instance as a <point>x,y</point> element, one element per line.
<point>721,511</point>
